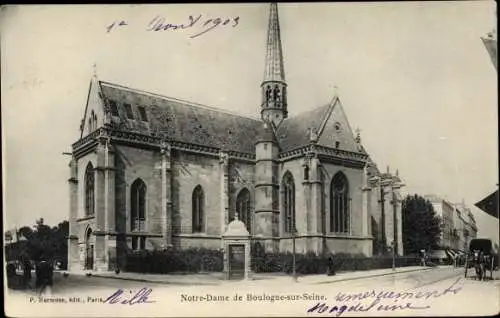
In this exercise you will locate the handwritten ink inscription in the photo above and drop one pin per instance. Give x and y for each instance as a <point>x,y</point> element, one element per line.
<point>122,298</point>
<point>375,301</point>
<point>199,24</point>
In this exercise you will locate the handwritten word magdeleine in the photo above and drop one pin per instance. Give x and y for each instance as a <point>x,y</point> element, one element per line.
<point>378,297</point>
<point>198,23</point>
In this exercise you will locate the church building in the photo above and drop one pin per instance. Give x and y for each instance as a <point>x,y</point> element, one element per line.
<point>153,172</point>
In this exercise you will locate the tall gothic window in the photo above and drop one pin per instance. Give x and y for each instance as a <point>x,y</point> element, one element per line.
<point>138,206</point>
<point>198,207</point>
<point>243,208</point>
<point>339,204</point>
<point>289,202</point>
<point>89,190</point>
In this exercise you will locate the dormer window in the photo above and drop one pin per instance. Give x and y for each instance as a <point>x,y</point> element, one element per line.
<point>114,108</point>
<point>142,113</point>
<point>128,111</point>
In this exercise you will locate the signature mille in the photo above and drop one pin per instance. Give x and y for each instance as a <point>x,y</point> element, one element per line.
<point>122,298</point>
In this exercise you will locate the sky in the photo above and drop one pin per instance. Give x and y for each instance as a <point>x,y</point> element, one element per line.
<point>414,77</point>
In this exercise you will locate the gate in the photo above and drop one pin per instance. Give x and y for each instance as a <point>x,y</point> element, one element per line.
<point>89,260</point>
<point>236,261</point>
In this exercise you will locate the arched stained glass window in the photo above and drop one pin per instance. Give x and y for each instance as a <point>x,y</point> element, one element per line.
<point>288,194</point>
<point>198,206</point>
<point>138,206</point>
<point>89,190</point>
<point>339,204</point>
<point>243,208</point>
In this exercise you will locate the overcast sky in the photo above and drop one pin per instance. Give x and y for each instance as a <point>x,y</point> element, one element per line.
<point>414,77</point>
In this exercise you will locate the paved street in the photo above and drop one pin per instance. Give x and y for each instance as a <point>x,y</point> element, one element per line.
<point>437,291</point>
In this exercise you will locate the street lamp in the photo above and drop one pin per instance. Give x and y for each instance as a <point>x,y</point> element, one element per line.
<point>393,244</point>
<point>294,272</point>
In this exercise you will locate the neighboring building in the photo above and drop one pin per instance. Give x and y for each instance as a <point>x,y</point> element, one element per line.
<point>458,225</point>
<point>472,226</point>
<point>466,226</point>
<point>445,211</point>
<point>149,172</point>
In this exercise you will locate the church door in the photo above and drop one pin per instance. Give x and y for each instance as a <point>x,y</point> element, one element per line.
<point>89,253</point>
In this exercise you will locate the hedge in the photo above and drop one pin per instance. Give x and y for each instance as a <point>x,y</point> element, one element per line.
<point>317,264</point>
<point>196,260</point>
<point>191,260</point>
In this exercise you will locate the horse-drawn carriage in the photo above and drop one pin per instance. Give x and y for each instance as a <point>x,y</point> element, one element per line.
<point>480,256</point>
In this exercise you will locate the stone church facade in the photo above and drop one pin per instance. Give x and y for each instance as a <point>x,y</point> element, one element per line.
<point>152,172</point>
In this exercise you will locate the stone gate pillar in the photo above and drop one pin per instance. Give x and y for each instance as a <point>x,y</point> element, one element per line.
<point>236,242</point>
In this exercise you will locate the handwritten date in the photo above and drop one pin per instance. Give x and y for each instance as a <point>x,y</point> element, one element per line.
<point>198,23</point>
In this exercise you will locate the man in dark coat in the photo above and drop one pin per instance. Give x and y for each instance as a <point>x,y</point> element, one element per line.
<point>26,272</point>
<point>44,275</point>
<point>331,266</point>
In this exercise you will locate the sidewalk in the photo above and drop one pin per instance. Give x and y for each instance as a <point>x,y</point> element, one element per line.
<point>219,278</point>
<point>346,276</point>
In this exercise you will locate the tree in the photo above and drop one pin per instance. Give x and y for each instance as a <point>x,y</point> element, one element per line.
<point>421,225</point>
<point>25,231</point>
<point>46,242</point>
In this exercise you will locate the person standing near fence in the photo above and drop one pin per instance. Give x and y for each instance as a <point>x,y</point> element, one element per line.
<point>331,266</point>
<point>423,257</point>
<point>44,275</point>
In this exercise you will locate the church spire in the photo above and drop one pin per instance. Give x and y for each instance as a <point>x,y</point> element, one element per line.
<point>274,72</point>
<point>274,104</point>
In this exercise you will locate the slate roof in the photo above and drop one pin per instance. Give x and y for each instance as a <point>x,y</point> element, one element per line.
<point>183,121</point>
<point>201,125</point>
<point>294,131</point>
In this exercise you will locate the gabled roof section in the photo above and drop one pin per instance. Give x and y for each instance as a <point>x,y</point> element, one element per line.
<point>330,124</point>
<point>338,130</point>
<point>181,120</point>
<point>294,132</point>
<point>94,105</point>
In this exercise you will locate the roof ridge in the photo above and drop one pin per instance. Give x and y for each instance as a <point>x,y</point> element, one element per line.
<point>327,115</point>
<point>194,104</point>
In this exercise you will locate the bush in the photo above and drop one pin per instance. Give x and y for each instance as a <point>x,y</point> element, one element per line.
<point>311,263</point>
<point>192,260</point>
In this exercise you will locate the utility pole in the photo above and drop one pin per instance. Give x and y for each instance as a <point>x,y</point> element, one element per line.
<point>294,271</point>
<point>395,232</point>
<point>382,202</point>
<point>393,255</point>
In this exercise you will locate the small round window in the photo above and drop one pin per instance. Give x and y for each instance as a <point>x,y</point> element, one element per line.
<point>337,126</point>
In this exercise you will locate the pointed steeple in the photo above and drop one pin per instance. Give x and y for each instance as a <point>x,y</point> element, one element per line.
<point>274,71</point>
<point>274,103</point>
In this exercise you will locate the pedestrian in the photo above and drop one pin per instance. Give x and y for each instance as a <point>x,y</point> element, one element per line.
<point>27,272</point>
<point>331,266</point>
<point>422,257</point>
<point>44,274</point>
